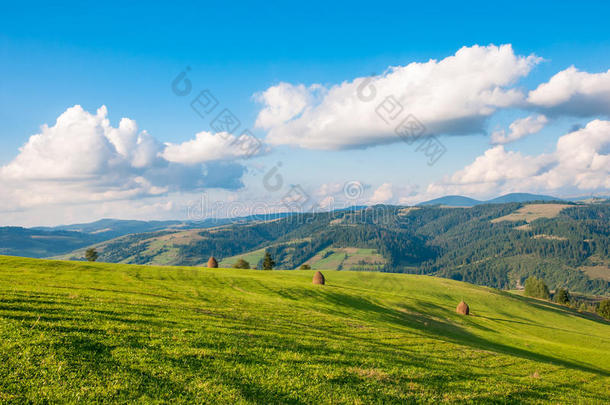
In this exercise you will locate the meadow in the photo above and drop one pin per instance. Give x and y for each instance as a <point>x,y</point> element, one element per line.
<point>95,332</point>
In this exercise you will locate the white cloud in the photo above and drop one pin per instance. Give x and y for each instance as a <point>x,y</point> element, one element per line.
<point>82,159</point>
<point>382,194</point>
<point>452,96</point>
<point>81,145</point>
<point>519,129</point>
<point>573,92</point>
<point>329,189</point>
<point>282,103</point>
<point>580,162</point>
<point>207,147</point>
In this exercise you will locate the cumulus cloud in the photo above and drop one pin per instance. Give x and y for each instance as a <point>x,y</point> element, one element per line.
<point>82,158</point>
<point>382,194</point>
<point>282,103</point>
<point>209,146</point>
<point>581,161</point>
<point>573,92</point>
<point>452,96</point>
<point>81,145</point>
<point>519,129</point>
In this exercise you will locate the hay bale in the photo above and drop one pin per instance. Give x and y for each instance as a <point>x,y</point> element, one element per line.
<point>212,263</point>
<point>318,278</point>
<point>462,308</point>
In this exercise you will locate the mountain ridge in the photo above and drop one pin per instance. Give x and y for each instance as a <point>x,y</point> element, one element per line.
<point>463,201</point>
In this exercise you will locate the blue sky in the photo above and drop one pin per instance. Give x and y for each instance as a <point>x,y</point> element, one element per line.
<point>125,56</point>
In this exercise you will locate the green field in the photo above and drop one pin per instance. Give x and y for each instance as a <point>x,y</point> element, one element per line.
<point>349,258</point>
<point>80,332</point>
<point>251,257</point>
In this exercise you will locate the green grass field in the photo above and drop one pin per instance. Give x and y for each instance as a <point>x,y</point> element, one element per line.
<point>349,258</point>
<point>74,331</point>
<point>251,257</point>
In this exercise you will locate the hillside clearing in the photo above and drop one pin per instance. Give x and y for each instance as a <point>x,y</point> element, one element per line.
<point>251,257</point>
<point>347,258</point>
<point>599,271</point>
<point>532,212</point>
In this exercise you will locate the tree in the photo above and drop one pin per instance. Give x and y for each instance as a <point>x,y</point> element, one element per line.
<point>604,309</point>
<point>305,267</point>
<point>241,264</point>
<point>562,296</point>
<point>268,262</point>
<point>91,254</point>
<point>536,288</point>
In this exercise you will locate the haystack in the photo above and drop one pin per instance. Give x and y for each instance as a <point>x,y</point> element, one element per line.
<point>462,308</point>
<point>212,263</point>
<point>318,278</point>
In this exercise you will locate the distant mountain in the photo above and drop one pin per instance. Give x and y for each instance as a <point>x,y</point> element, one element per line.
<point>62,239</point>
<point>17,241</point>
<point>108,228</point>
<point>461,201</point>
<point>591,199</point>
<point>453,201</point>
<point>521,197</point>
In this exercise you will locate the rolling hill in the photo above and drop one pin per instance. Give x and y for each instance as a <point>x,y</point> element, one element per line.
<point>453,201</point>
<point>461,201</point>
<point>498,245</point>
<point>81,332</point>
<point>60,240</point>
<point>40,243</point>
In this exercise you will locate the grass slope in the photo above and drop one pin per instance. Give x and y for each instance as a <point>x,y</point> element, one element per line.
<point>251,257</point>
<point>74,331</point>
<point>349,258</point>
<point>531,212</point>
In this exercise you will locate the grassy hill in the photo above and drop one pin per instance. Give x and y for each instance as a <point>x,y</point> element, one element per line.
<point>251,257</point>
<point>348,258</point>
<point>342,258</point>
<point>75,331</point>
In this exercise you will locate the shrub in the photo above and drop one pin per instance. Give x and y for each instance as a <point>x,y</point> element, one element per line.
<point>604,309</point>
<point>268,262</point>
<point>91,255</point>
<point>305,267</point>
<point>536,288</point>
<point>562,296</point>
<point>241,264</point>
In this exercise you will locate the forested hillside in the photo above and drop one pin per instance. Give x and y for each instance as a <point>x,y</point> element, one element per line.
<point>498,245</point>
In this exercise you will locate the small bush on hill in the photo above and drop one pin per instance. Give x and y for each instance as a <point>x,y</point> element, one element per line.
<point>241,264</point>
<point>604,309</point>
<point>268,262</point>
<point>562,296</point>
<point>91,254</point>
<point>305,267</point>
<point>536,288</point>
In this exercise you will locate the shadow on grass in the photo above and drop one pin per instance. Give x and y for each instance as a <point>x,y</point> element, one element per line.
<point>560,309</point>
<point>86,350</point>
<point>441,327</point>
